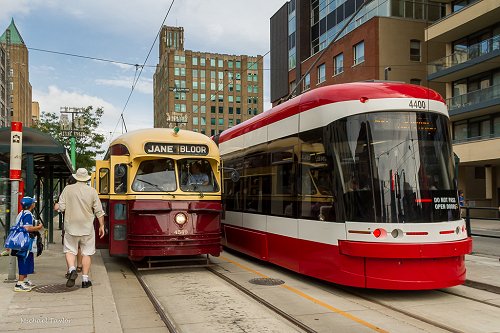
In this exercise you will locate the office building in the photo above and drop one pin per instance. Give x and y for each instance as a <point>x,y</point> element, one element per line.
<point>384,40</point>
<point>19,87</point>
<point>470,69</point>
<point>201,91</point>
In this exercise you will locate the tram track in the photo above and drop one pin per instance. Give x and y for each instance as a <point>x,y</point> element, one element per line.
<point>387,304</point>
<point>262,301</point>
<point>397,309</point>
<point>169,322</point>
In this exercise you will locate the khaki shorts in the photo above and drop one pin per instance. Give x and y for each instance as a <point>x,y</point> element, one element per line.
<point>86,243</point>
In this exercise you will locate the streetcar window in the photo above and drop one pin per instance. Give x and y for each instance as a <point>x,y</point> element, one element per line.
<point>155,176</point>
<point>396,167</point>
<point>196,175</point>
<point>104,181</point>
<point>120,178</point>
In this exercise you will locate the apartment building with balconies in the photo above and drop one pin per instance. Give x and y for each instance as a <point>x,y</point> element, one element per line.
<point>470,70</point>
<point>202,91</point>
<point>323,42</point>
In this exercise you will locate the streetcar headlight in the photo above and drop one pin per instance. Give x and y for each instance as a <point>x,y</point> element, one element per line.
<point>180,218</point>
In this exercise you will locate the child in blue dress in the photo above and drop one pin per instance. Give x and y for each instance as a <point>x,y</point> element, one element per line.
<point>26,264</point>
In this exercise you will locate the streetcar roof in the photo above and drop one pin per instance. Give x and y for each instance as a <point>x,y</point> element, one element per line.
<point>135,141</point>
<point>332,94</point>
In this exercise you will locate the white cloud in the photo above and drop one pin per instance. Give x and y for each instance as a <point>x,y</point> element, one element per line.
<point>144,85</point>
<point>55,98</point>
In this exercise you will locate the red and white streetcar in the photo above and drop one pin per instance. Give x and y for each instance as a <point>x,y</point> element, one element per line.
<point>350,183</point>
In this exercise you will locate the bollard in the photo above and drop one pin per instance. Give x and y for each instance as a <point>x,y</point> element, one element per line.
<point>467,221</point>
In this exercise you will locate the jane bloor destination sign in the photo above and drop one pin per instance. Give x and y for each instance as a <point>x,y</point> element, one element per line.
<point>175,148</point>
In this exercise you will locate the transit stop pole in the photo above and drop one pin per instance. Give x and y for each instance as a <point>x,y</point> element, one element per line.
<point>16,158</point>
<point>72,141</point>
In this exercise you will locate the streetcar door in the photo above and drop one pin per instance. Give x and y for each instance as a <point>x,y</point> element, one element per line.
<point>118,228</point>
<point>101,181</point>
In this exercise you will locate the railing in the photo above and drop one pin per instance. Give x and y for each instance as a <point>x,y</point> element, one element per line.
<point>468,219</point>
<point>473,97</point>
<point>458,57</point>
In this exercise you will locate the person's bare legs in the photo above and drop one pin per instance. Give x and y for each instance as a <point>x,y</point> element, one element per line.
<point>70,260</point>
<point>79,260</point>
<point>86,261</point>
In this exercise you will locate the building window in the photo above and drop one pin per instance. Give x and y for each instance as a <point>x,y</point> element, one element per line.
<point>212,62</point>
<point>321,73</point>
<point>212,109</point>
<point>230,63</point>
<point>338,64</point>
<point>307,81</point>
<point>195,120</point>
<point>415,50</point>
<point>416,81</point>
<point>230,110</point>
<point>221,121</point>
<point>221,109</point>
<point>195,61</point>
<point>202,61</point>
<point>203,109</point>
<point>238,64</point>
<point>359,53</point>
<point>238,111</point>
<point>220,63</point>
<point>212,121</point>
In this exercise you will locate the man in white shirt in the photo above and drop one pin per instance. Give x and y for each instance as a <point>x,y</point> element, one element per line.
<point>81,204</point>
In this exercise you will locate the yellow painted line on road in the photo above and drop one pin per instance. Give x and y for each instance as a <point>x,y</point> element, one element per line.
<point>310,298</point>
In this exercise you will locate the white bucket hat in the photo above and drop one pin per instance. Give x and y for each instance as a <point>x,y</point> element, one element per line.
<point>81,175</point>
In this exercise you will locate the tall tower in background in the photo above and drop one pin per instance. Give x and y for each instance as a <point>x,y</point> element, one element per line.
<point>204,92</point>
<point>18,85</point>
<point>4,117</point>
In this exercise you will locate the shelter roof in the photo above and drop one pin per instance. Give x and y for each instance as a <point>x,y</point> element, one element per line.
<point>45,149</point>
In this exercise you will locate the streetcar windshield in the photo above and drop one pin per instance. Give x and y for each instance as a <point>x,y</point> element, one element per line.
<point>196,175</point>
<point>155,176</point>
<point>395,167</point>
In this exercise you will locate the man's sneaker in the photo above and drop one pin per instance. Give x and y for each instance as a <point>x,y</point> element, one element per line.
<point>22,287</point>
<point>86,284</point>
<point>71,279</point>
<point>29,283</point>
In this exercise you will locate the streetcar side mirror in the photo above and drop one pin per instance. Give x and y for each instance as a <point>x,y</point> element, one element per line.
<point>235,176</point>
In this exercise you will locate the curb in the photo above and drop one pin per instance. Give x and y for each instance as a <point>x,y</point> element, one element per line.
<point>106,317</point>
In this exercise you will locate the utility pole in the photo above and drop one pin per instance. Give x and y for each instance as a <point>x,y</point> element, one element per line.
<point>16,158</point>
<point>68,129</point>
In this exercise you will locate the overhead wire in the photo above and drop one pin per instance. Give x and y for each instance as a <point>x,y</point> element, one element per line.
<point>121,118</point>
<point>87,57</point>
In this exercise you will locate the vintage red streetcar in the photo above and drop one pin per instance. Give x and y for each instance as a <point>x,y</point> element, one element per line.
<point>350,183</point>
<point>161,191</point>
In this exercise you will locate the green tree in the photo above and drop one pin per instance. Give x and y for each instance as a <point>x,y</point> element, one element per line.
<point>88,143</point>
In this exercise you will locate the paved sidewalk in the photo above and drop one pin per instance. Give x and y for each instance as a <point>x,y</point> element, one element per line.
<point>71,310</point>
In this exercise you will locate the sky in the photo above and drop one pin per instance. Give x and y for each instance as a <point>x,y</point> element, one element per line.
<point>124,31</point>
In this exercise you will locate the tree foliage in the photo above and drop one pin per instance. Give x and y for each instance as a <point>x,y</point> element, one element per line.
<point>88,143</point>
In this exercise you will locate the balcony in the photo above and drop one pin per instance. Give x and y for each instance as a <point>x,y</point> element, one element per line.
<point>474,17</point>
<point>474,101</point>
<point>475,59</point>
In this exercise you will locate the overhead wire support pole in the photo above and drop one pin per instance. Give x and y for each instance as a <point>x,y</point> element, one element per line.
<point>72,132</point>
<point>318,58</point>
